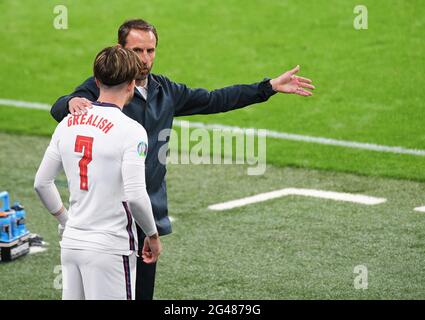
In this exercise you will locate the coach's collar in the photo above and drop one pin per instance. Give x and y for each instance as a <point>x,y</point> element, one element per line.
<point>152,83</point>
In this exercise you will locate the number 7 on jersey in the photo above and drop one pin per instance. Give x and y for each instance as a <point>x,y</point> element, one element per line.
<point>86,143</point>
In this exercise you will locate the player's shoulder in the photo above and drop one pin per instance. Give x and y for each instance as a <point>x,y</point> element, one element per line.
<point>64,123</point>
<point>132,126</point>
<point>135,135</point>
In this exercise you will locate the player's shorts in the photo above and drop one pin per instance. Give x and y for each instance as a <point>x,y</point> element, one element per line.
<point>93,275</point>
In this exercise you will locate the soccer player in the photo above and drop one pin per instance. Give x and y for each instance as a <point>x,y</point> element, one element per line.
<point>103,155</point>
<point>157,100</point>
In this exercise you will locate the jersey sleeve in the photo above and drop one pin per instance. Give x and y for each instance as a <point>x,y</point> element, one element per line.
<point>133,173</point>
<point>50,166</point>
<point>52,150</point>
<point>136,147</point>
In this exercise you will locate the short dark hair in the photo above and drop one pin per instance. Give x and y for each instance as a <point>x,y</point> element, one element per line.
<point>116,65</point>
<point>137,24</point>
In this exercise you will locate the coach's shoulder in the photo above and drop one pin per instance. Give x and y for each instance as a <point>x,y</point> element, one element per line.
<point>168,85</point>
<point>90,82</point>
<point>161,80</point>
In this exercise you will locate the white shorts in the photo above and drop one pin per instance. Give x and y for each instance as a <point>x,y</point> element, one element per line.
<point>93,275</point>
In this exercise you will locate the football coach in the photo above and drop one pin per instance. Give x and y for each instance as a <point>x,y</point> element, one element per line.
<point>157,100</point>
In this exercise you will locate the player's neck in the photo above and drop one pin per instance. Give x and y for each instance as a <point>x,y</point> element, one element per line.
<point>112,98</point>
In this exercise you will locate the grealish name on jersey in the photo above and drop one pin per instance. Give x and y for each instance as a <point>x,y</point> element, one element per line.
<point>93,120</point>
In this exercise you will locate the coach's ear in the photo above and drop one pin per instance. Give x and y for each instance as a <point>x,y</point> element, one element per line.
<point>97,82</point>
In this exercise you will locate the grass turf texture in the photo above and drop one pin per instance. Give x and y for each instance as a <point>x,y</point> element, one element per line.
<point>366,80</point>
<point>287,248</point>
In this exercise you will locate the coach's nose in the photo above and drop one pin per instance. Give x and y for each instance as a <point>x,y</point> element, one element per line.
<point>144,56</point>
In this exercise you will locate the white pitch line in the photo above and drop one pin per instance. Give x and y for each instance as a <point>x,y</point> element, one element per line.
<point>420,209</point>
<point>34,250</point>
<point>24,104</point>
<point>338,196</point>
<point>303,138</point>
<point>252,131</point>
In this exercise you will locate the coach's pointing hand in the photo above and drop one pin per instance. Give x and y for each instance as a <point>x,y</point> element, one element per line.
<point>79,105</point>
<point>151,249</point>
<point>290,83</point>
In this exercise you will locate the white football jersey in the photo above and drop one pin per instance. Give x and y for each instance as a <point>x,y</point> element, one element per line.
<point>92,148</point>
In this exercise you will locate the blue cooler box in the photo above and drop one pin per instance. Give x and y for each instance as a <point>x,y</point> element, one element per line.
<point>14,236</point>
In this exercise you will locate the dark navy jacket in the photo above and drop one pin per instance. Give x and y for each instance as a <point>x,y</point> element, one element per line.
<point>165,100</point>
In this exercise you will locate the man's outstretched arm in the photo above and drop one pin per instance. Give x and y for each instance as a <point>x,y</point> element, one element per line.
<point>201,101</point>
<point>81,98</point>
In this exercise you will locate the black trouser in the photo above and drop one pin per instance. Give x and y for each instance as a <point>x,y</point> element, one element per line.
<point>145,276</point>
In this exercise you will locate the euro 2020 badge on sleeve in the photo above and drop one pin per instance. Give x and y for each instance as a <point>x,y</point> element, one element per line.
<point>142,149</point>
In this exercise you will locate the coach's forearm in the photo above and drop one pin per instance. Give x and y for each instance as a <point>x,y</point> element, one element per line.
<point>201,101</point>
<point>87,89</point>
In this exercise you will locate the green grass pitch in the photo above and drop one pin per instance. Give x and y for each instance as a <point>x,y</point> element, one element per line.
<point>369,89</point>
<point>287,248</point>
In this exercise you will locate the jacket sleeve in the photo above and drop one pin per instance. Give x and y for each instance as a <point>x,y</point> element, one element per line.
<point>87,89</point>
<point>201,101</point>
